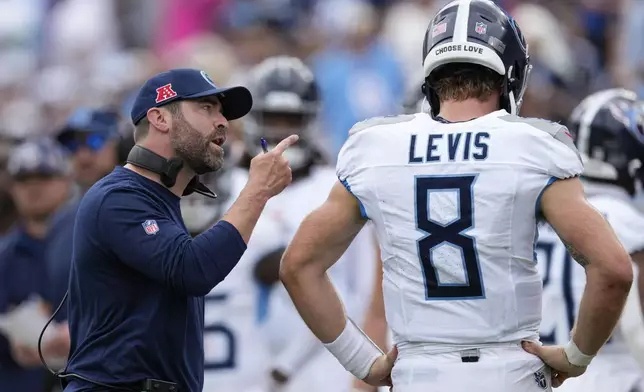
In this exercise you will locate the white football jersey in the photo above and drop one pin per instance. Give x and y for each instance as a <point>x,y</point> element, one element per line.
<point>292,344</point>
<point>564,280</point>
<point>454,208</point>
<point>236,358</point>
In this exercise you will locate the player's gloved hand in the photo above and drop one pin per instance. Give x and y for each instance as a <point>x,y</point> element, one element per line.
<point>270,172</point>
<point>555,357</point>
<point>380,372</point>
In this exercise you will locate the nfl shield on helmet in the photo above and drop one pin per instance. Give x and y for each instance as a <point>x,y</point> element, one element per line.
<point>478,32</point>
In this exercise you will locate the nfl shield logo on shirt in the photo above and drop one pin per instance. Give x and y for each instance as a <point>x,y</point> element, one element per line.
<point>150,227</point>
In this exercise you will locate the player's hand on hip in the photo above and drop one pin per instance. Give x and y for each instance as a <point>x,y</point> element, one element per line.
<point>555,357</point>
<point>380,372</point>
<point>270,172</point>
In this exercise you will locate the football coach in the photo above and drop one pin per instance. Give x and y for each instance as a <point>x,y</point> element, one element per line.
<point>138,280</point>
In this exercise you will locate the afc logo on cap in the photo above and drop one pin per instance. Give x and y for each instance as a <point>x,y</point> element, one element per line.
<point>164,93</point>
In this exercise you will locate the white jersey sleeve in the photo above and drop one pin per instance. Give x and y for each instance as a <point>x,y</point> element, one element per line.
<point>554,151</point>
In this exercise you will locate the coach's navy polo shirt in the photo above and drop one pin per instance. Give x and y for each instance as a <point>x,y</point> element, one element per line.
<point>23,272</point>
<point>137,284</point>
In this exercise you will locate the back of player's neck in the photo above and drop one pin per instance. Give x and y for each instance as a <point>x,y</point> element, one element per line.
<point>456,111</point>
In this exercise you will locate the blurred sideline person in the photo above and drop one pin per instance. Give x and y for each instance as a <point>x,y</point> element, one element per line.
<point>455,196</point>
<point>287,100</point>
<point>607,127</point>
<point>8,213</point>
<point>235,352</point>
<point>91,138</point>
<point>41,184</point>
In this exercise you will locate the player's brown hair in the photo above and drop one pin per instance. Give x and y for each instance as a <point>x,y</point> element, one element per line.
<point>141,129</point>
<point>461,81</point>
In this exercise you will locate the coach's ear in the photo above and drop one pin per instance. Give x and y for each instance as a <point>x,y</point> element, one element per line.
<point>160,119</point>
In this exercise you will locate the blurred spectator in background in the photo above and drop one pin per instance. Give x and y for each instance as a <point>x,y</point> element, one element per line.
<point>630,50</point>
<point>91,136</point>
<point>40,186</point>
<point>357,72</point>
<point>404,27</point>
<point>8,212</point>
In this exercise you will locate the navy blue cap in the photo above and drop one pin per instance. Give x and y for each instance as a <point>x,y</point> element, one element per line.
<point>187,83</point>
<point>42,156</point>
<point>92,121</point>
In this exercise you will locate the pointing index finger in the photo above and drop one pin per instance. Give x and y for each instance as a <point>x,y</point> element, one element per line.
<point>286,143</point>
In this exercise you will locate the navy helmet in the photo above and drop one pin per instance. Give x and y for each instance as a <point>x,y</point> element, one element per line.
<point>482,33</point>
<point>608,128</point>
<point>286,101</point>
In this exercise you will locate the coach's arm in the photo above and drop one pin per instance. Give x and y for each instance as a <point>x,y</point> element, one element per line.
<point>592,243</point>
<point>322,238</point>
<point>165,252</point>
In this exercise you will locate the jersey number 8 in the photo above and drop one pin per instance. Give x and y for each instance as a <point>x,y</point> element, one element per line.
<point>450,234</point>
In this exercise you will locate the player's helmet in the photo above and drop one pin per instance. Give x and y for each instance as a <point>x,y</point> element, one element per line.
<point>608,128</point>
<point>286,101</point>
<point>478,32</point>
<point>198,212</point>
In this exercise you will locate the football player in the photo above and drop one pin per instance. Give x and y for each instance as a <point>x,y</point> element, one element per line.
<point>287,99</point>
<point>607,127</point>
<point>454,195</point>
<point>236,356</point>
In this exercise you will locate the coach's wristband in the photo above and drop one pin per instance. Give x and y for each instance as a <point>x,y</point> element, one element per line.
<point>354,350</point>
<point>575,356</point>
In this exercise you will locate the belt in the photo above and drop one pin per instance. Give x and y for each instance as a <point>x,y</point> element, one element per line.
<point>470,355</point>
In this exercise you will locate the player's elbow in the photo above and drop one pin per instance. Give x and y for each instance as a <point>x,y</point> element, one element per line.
<point>292,268</point>
<point>616,275</point>
<point>289,270</point>
<point>621,275</point>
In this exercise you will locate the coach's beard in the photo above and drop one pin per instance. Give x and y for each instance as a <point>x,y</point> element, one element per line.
<point>196,151</point>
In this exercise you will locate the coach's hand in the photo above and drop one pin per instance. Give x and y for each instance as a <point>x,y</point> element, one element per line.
<point>269,172</point>
<point>555,357</point>
<point>380,372</point>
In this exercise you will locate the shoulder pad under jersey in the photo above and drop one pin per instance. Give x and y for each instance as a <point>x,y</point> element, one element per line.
<point>375,121</point>
<point>556,130</point>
